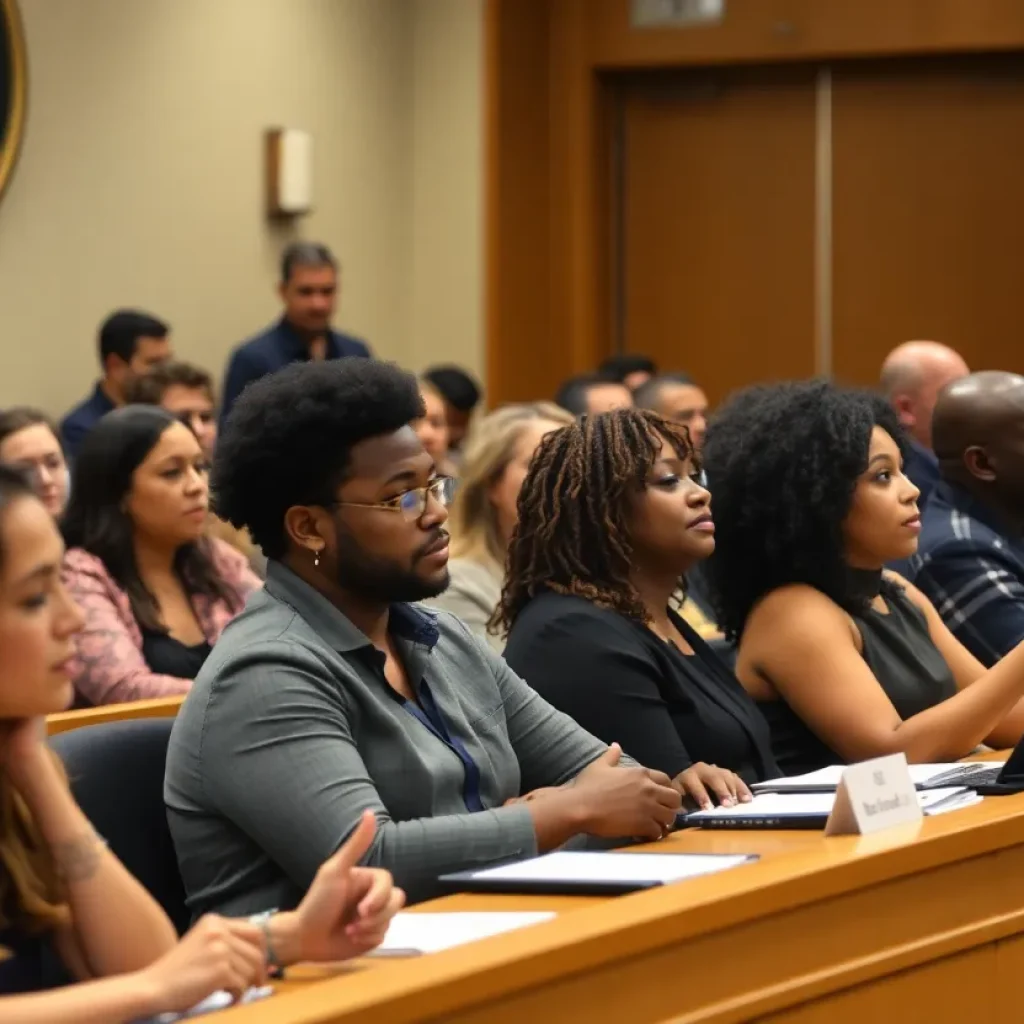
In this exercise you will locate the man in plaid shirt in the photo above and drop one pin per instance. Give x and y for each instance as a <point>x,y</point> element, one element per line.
<point>970,561</point>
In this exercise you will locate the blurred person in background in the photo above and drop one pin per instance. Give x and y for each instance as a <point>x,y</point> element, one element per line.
<point>155,589</point>
<point>913,374</point>
<point>432,428</point>
<point>130,343</point>
<point>309,291</point>
<point>183,390</point>
<point>483,515</point>
<point>461,394</point>
<point>677,398</point>
<point>590,394</point>
<point>629,369</point>
<point>186,392</point>
<point>29,442</point>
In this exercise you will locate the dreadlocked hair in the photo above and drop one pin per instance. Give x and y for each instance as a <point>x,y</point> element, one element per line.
<point>574,509</point>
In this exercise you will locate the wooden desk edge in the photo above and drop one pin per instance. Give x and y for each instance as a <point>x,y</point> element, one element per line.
<point>634,925</point>
<point>158,707</point>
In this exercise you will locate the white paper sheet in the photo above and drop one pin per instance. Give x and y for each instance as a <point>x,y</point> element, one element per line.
<point>413,934</point>
<point>580,866</point>
<point>212,1003</point>
<point>920,774</point>
<point>775,805</point>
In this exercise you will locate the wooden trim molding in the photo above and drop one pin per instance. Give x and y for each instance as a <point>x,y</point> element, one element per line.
<point>159,707</point>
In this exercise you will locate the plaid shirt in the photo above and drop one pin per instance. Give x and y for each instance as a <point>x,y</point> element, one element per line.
<point>972,572</point>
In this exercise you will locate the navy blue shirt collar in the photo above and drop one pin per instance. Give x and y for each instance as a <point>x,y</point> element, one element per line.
<point>295,346</point>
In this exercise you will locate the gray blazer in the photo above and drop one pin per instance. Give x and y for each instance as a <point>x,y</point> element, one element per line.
<point>472,595</point>
<point>290,731</point>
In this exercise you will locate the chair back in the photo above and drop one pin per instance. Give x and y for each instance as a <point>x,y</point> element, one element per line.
<point>117,776</point>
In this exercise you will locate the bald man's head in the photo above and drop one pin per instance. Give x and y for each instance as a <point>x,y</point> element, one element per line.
<point>913,374</point>
<point>978,428</point>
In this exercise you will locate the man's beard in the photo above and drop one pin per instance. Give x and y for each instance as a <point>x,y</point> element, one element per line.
<point>380,579</point>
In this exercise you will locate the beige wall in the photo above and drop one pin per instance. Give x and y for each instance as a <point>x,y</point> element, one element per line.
<point>140,181</point>
<point>448,271</point>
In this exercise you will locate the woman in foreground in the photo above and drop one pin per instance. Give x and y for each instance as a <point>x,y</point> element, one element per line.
<point>69,911</point>
<point>847,660</point>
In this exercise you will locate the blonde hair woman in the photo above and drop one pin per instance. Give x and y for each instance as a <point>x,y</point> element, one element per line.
<point>483,515</point>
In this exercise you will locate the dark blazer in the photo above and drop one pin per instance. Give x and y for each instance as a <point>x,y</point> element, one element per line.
<point>624,684</point>
<point>274,349</point>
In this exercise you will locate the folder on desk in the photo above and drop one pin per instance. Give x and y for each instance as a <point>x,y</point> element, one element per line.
<point>786,811</point>
<point>582,873</point>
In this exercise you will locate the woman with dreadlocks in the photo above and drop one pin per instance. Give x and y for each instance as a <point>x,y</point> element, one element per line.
<point>613,512</point>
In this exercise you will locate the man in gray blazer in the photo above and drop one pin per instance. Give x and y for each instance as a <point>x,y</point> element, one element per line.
<point>333,692</point>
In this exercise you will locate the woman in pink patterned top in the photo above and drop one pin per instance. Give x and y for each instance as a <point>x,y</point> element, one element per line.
<point>155,590</point>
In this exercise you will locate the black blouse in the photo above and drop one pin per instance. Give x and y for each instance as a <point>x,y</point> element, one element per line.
<point>169,657</point>
<point>903,658</point>
<point>624,684</point>
<point>29,963</point>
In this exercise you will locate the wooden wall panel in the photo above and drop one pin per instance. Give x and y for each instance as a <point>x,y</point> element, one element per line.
<point>784,30</point>
<point>719,224</point>
<point>517,200</point>
<point>928,210</point>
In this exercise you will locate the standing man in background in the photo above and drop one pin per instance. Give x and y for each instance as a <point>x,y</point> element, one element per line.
<point>913,374</point>
<point>309,290</point>
<point>130,343</point>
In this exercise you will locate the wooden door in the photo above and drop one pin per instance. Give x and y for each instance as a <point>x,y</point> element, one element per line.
<point>716,237</point>
<point>928,201</point>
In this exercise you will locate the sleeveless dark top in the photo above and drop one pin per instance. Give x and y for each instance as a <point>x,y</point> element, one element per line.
<point>908,666</point>
<point>169,657</point>
<point>29,963</point>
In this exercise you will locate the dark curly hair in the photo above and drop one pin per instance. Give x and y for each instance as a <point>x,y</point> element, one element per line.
<point>97,522</point>
<point>573,533</point>
<point>288,438</point>
<point>782,463</point>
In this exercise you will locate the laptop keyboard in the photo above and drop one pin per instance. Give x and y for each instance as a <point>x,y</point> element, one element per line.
<point>967,775</point>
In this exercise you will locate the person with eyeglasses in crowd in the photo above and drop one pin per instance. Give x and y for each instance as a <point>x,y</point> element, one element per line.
<point>335,693</point>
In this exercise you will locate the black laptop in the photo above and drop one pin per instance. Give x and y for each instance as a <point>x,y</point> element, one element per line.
<point>986,779</point>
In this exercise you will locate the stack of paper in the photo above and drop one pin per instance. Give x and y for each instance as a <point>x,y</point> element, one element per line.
<point>414,934</point>
<point>826,780</point>
<point>810,810</point>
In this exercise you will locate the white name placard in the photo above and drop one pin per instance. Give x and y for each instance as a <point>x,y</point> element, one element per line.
<point>872,796</point>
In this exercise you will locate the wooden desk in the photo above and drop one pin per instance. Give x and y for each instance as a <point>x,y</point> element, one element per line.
<point>918,924</point>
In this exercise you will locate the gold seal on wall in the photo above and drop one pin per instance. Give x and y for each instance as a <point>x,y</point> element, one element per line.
<point>13,86</point>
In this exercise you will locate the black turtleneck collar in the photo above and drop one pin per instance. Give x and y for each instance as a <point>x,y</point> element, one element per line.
<point>863,585</point>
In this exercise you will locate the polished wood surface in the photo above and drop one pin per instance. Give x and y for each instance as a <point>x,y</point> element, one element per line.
<point>928,210</point>
<point>160,707</point>
<point>557,73</point>
<point>839,929</point>
<point>785,30</point>
<point>718,224</point>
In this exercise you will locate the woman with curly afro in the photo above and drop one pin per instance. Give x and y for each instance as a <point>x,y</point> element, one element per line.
<point>612,513</point>
<point>847,660</point>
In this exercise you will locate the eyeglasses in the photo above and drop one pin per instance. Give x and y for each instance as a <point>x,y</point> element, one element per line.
<point>412,503</point>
